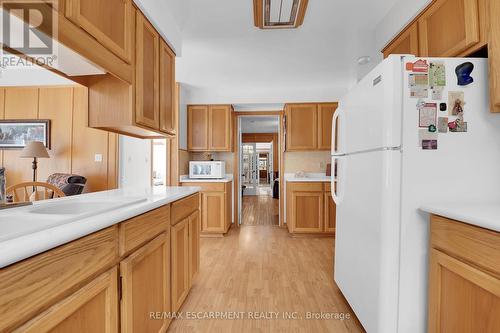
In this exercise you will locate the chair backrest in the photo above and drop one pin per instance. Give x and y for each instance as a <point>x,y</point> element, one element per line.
<point>29,191</point>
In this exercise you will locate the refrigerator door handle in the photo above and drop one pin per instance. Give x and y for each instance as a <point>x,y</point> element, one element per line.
<point>335,137</point>
<point>337,180</point>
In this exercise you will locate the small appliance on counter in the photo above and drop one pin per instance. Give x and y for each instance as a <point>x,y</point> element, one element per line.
<point>207,169</point>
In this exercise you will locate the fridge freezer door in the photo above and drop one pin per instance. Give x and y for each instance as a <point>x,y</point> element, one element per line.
<point>369,115</point>
<point>367,237</point>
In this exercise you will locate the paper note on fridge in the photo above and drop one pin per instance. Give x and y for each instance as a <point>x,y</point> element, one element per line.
<point>419,85</point>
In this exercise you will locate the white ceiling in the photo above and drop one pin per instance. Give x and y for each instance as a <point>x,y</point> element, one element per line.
<point>259,124</point>
<point>226,59</point>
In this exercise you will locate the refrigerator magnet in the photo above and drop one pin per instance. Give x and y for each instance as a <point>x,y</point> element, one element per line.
<point>427,115</point>
<point>443,124</point>
<point>429,144</point>
<point>424,134</point>
<point>456,102</point>
<point>419,66</point>
<point>419,85</point>
<point>463,72</point>
<point>437,93</point>
<point>432,128</point>
<point>442,107</point>
<point>437,74</point>
<point>458,126</point>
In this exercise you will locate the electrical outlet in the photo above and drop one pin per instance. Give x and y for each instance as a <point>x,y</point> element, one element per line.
<point>98,158</point>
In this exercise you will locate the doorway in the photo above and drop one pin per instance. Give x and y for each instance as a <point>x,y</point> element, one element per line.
<point>259,161</point>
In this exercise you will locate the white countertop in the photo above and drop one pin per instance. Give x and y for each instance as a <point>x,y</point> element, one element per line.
<point>185,179</point>
<point>30,230</point>
<point>484,215</point>
<point>308,177</point>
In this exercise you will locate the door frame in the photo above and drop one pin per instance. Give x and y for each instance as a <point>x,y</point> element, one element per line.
<point>281,158</point>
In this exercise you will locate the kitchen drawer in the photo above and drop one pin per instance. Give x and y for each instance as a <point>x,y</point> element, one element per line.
<point>211,187</point>
<point>32,285</point>
<point>305,187</point>
<point>183,208</point>
<point>477,246</point>
<point>143,228</point>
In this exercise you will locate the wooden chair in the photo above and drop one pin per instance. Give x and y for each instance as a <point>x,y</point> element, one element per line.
<point>29,191</point>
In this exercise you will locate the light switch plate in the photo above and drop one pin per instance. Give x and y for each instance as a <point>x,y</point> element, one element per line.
<point>98,158</point>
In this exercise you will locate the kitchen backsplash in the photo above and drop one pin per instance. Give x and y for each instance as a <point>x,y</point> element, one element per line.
<point>314,161</point>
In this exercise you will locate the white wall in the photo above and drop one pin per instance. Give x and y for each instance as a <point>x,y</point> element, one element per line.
<point>135,162</point>
<point>398,17</point>
<point>166,16</point>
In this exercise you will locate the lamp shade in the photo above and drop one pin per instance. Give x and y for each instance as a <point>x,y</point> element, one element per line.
<point>34,149</point>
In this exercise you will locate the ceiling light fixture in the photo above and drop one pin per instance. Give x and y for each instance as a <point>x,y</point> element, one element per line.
<point>279,14</point>
<point>364,60</point>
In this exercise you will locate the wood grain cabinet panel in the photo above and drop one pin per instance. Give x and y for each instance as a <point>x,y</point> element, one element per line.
<point>93,308</point>
<point>462,298</point>
<point>219,128</point>
<point>167,89</point>
<point>405,43</point>
<point>180,263</point>
<point>194,245</point>
<point>197,127</point>
<point>214,212</point>
<point>330,212</point>
<point>301,127</point>
<point>147,74</point>
<point>145,279</point>
<point>32,285</point>
<point>325,117</point>
<point>111,22</point>
<point>448,28</point>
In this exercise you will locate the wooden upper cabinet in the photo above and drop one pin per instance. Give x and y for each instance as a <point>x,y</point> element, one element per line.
<point>145,276</point>
<point>325,116</point>
<point>197,127</point>
<point>219,128</point>
<point>110,22</point>
<point>405,43</point>
<point>167,89</point>
<point>448,28</point>
<point>147,74</point>
<point>210,127</point>
<point>301,127</point>
<point>93,308</point>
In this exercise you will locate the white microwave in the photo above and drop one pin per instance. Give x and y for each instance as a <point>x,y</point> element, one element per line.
<point>207,169</point>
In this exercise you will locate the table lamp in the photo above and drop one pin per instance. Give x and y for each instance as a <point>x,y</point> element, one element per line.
<point>34,150</point>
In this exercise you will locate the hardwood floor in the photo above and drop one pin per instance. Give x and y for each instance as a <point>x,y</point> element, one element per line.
<point>260,210</point>
<point>261,268</point>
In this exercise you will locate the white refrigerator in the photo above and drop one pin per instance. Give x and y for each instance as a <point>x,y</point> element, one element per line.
<point>391,157</point>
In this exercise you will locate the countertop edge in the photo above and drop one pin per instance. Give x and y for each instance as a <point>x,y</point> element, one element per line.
<point>462,217</point>
<point>26,246</point>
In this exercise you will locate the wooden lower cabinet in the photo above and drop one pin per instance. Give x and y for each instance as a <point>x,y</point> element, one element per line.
<point>310,208</point>
<point>180,263</point>
<point>93,308</point>
<point>194,245</point>
<point>216,207</point>
<point>145,278</point>
<point>65,289</point>
<point>464,278</point>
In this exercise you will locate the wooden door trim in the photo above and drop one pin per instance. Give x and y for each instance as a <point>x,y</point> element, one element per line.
<point>236,178</point>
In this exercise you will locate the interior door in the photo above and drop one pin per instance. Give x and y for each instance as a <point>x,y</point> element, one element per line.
<point>250,168</point>
<point>367,236</point>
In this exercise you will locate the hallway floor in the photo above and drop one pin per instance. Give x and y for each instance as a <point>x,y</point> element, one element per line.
<point>263,269</point>
<point>260,210</point>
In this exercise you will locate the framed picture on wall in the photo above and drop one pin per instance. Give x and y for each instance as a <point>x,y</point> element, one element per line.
<point>15,134</point>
